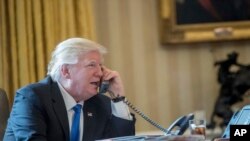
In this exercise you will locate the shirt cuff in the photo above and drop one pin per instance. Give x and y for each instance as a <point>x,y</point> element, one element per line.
<point>121,110</point>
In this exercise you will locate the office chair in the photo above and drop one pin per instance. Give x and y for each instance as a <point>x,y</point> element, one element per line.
<point>4,109</point>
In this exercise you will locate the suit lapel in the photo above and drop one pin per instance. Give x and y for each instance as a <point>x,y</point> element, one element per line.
<point>89,121</point>
<point>60,108</point>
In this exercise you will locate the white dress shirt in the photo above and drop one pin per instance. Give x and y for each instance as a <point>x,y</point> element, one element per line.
<point>119,109</point>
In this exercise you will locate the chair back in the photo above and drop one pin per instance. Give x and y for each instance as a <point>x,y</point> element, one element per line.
<point>4,109</point>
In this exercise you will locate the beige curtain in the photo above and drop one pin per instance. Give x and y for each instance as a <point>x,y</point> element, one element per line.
<point>30,29</point>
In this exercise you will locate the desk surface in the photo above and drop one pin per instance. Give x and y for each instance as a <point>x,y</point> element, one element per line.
<point>210,134</point>
<point>158,138</point>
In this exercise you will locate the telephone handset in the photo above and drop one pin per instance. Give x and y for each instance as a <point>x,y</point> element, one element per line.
<point>104,87</point>
<point>180,125</point>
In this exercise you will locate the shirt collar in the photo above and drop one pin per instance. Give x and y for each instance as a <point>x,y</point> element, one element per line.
<point>68,99</point>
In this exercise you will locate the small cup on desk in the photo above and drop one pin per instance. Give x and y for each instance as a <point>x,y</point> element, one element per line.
<point>198,127</point>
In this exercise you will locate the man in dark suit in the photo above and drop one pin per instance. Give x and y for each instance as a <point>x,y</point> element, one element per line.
<point>45,110</point>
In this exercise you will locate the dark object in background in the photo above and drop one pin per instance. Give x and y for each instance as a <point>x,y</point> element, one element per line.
<point>233,87</point>
<point>4,109</point>
<point>211,11</point>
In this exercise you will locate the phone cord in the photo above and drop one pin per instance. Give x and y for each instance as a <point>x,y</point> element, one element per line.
<point>144,116</point>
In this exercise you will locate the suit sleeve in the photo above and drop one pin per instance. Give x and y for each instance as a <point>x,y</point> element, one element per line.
<point>118,127</point>
<point>27,119</point>
<point>122,127</point>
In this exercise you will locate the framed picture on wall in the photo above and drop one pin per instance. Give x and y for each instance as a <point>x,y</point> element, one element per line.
<point>184,21</point>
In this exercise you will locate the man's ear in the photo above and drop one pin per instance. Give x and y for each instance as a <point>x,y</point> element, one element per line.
<point>65,71</point>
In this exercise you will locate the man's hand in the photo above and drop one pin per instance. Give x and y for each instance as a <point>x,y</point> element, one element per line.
<point>116,85</point>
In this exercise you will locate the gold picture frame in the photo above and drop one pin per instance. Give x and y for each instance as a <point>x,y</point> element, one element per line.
<point>173,33</point>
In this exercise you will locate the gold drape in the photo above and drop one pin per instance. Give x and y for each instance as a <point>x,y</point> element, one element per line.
<point>29,31</point>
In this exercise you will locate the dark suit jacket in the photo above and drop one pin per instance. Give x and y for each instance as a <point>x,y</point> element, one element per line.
<point>39,113</point>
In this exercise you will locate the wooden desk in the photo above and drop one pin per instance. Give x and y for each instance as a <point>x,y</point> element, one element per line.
<point>158,138</point>
<point>222,139</point>
<point>184,138</point>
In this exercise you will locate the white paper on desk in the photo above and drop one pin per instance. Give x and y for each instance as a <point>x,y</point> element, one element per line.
<point>132,138</point>
<point>125,138</point>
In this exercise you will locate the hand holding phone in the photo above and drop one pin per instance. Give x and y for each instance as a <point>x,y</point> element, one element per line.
<point>114,80</point>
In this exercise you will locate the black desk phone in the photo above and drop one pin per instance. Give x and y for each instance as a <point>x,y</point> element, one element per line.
<point>178,127</point>
<point>241,117</point>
